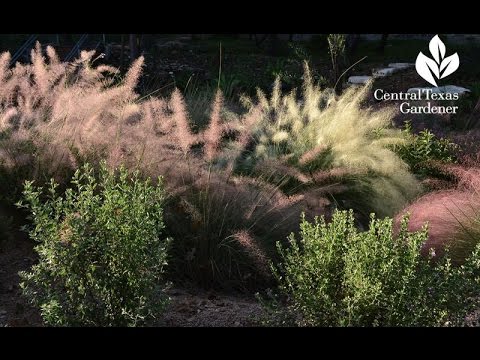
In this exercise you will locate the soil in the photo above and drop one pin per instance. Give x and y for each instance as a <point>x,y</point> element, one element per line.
<point>16,254</point>
<point>194,308</point>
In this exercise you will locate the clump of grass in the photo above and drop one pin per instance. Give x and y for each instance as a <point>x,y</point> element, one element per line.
<point>226,226</point>
<point>47,108</point>
<point>322,136</point>
<point>453,216</point>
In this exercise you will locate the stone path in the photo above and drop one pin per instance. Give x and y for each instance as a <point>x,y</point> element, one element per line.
<point>448,89</point>
<point>394,68</point>
<point>379,73</point>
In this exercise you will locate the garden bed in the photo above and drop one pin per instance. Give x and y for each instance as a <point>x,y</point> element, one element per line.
<point>236,181</point>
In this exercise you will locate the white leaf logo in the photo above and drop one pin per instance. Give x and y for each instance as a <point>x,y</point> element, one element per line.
<point>425,67</point>
<point>450,64</point>
<point>440,66</point>
<point>437,48</point>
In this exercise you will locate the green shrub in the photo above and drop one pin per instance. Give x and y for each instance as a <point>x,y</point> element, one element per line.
<point>338,276</point>
<point>101,254</point>
<point>424,150</point>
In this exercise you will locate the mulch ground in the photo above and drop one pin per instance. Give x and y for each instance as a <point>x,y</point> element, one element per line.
<point>16,254</point>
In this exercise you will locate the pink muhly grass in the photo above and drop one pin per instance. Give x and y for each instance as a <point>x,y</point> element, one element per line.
<point>453,216</point>
<point>445,212</point>
<point>436,184</point>
<point>469,179</point>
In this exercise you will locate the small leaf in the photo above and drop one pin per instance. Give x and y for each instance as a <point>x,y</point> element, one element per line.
<point>437,49</point>
<point>425,66</point>
<point>450,64</point>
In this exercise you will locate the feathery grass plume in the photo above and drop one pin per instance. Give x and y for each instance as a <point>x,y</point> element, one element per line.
<point>52,55</point>
<point>183,131</point>
<point>280,171</point>
<point>4,66</point>
<point>212,136</point>
<point>59,112</point>
<point>40,73</point>
<point>468,179</point>
<point>453,216</point>
<point>245,239</point>
<point>7,118</point>
<point>247,125</point>
<point>108,69</point>
<point>133,73</point>
<point>323,132</point>
<point>311,155</point>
